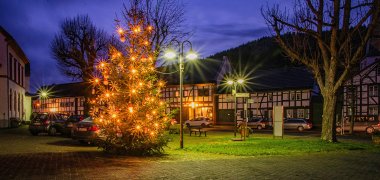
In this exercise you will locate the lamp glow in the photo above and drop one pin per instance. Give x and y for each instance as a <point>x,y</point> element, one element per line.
<point>191,55</point>
<point>170,54</point>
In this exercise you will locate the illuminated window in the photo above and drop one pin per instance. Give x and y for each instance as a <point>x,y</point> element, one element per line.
<point>373,91</point>
<point>300,113</point>
<point>289,113</point>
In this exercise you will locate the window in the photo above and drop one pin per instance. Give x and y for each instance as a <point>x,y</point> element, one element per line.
<point>300,113</point>
<point>22,76</point>
<point>292,96</point>
<point>203,92</point>
<point>15,101</point>
<point>298,96</point>
<point>289,113</point>
<point>19,73</point>
<point>14,69</point>
<point>10,99</point>
<point>373,91</point>
<point>18,102</point>
<point>373,110</point>
<point>186,93</point>
<point>10,65</point>
<point>270,97</point>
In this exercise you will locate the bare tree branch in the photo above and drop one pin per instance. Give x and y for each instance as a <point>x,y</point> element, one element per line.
<point>77,46</point>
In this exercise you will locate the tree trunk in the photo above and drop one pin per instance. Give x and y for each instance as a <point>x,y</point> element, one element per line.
<point>329,105</point>
<point>87,96</point>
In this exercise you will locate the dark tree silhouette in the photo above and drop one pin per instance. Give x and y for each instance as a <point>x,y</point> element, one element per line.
<point>166,17</point>
<point>77,47</point>
<point>323,41</point>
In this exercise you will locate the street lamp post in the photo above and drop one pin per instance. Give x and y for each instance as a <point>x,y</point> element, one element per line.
<point>191,55</point>
<point>235,82</point>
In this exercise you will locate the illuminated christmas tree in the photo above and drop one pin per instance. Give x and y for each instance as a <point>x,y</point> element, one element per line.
<point>128,108</point>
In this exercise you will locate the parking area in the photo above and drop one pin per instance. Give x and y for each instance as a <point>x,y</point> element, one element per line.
<point>23,156</point>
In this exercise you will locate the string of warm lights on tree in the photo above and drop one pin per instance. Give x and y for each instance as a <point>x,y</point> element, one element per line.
<point>128,107</point>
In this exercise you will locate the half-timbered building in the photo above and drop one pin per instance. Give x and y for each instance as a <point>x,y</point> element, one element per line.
<point>201,80</point>
<point>361,91</point>
<point>292,88</point>
<point>62,98</point>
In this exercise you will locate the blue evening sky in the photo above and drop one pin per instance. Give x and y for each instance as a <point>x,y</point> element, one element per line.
<point>217,25</point>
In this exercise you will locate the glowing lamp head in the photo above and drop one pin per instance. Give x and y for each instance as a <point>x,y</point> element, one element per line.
<point>138,127</point>
<point>170,54</point>
<point>240,81</point>
<point>230,82</point>
<point>96,80</point>
<point>44,94</point>
<point>113,115</point>
<point>108,95</point>
<point>191,55</point>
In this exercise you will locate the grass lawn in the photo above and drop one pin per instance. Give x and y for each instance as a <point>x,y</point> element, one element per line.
<point>220,143</point>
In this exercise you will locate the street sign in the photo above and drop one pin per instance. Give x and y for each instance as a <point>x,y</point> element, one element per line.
<point>242,94</point>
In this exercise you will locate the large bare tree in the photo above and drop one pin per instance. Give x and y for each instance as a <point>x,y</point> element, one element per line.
<point>320,35</point>
<point>166,17</point>
<point>77,47</point>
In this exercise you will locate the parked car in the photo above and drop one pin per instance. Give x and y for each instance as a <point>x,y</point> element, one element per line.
<point>86,131</point>
<point>268,122</point>
<point>254,122</point>
<point>199,121</point>
<point>297,124</point>
<point>69,123</point>
<point>51,123</point>
<point>359,126</point>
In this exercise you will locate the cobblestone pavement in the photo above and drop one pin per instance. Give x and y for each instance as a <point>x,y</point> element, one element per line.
<point>22,158</point>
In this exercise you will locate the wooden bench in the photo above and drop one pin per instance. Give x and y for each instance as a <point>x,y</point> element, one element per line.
<point>197,129</point>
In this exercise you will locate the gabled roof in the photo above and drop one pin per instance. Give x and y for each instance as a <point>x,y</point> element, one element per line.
<point>283,78</point>
<point>195,72</point>
<point>67,90</point>
<point>276,79</point>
